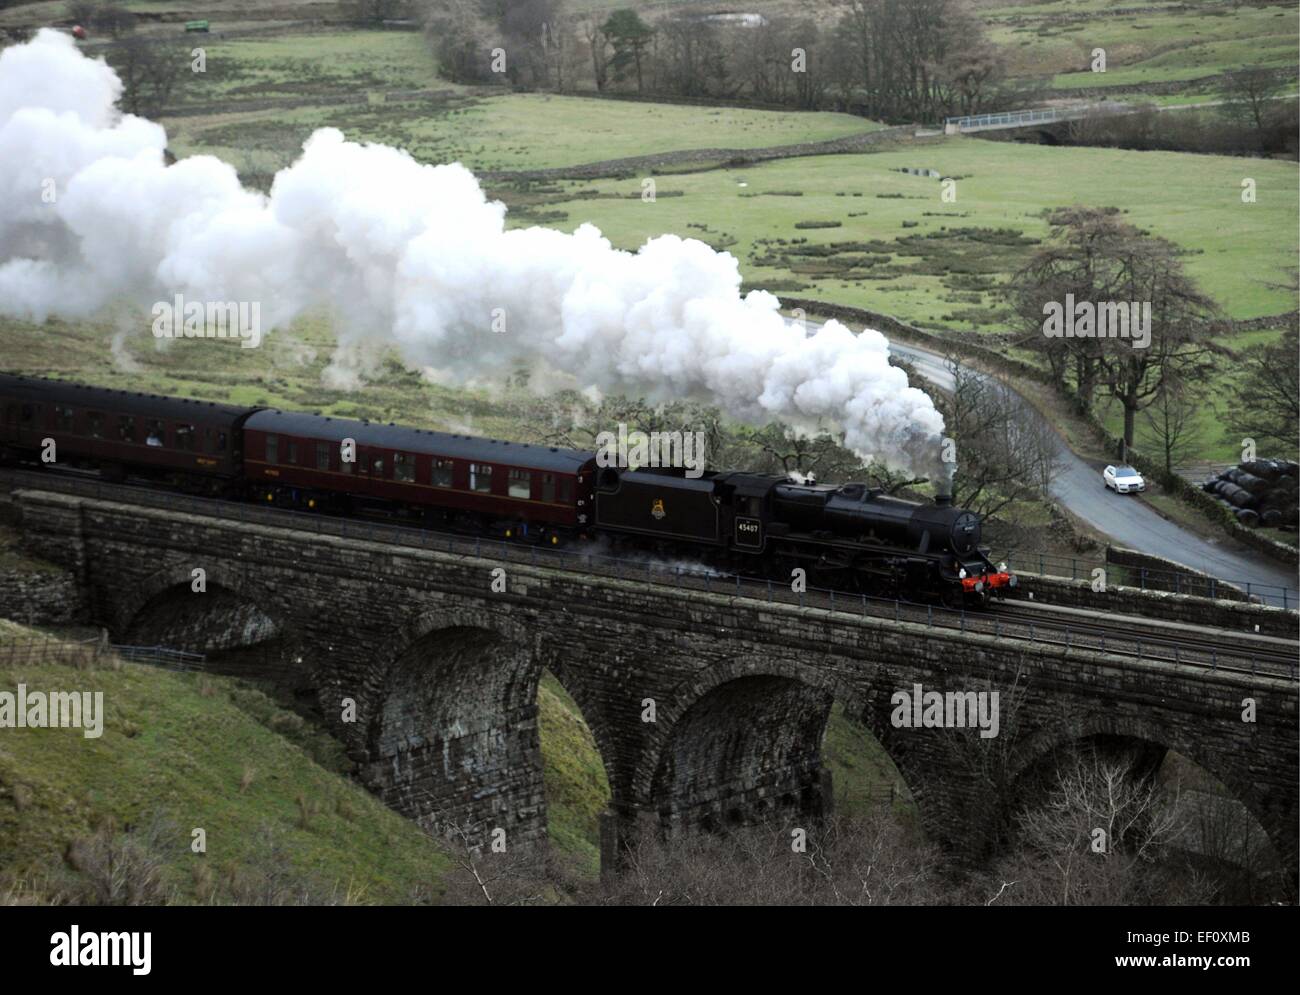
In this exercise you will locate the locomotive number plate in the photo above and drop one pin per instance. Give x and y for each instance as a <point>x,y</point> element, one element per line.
<point>749,532</point>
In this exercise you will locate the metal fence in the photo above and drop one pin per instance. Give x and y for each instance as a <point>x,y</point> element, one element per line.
<point>45,649</point>
<point>160,656</point>
<point>1042,115</point>
<point>1011,119</point>
<point>40,650</point>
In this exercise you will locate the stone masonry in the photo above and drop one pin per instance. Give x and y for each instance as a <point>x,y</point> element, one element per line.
<point>708,709</point>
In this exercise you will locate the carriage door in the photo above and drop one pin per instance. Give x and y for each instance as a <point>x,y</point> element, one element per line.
<point>31,423</point>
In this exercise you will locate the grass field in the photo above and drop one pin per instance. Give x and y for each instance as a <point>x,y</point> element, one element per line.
<point>1156,42</point>
<point>201,752</point>
<point>903,250</point>
<point>261,97</point>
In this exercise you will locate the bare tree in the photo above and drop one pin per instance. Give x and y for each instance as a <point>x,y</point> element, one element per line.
<point>149,72</point>
<point>1170,418</point>
<point>459,37</point>
<point>1266,405</point>
<point>1101,836</point>
<point>1096,260</point>
<point>598,45</point>
<point>864,861</point>
<point>1006,452</point>
<point>1249,95</point>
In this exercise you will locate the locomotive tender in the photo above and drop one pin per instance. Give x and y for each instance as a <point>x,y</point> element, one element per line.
<point>756,523</point>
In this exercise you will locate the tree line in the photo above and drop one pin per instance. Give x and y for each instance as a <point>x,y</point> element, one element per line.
<point>894,60</point>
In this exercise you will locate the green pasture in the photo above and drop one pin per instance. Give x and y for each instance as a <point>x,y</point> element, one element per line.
<point>899,248</point>
<point>1162,42</point>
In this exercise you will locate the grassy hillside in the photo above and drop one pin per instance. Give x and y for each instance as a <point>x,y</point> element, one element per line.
<point>577,790</point>
<point>180,752</point>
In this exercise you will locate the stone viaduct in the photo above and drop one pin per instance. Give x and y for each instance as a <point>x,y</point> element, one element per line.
<point>443,671</point>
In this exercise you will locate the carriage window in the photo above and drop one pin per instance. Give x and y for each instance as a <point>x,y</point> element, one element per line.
<point>155,433</point>
<point>521,484</point>
<point>62,418</point>
<point>126,428</point>
<point>480,477</point>
<point>403,466</point>
<point>293,452</point>
<point>221,443</point>
<point>442,472</point>
<point>377,468</point>
<point>566,489</point>
<point>95,424</point>
<point>322,456</point>
<point>548,487</point>
<point>28,412</point>
<point>184,436</point>
<point>11,414</point>
<point>346,466</point>
<point>273,449</point>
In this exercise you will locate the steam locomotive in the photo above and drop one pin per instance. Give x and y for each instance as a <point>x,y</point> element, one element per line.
<point>849,536</point>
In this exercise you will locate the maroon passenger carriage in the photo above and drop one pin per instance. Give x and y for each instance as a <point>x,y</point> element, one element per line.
<point>191,444</point>
<point>539,493</point>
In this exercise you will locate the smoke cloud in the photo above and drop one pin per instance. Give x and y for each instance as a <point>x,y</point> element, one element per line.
<point>411,256</point>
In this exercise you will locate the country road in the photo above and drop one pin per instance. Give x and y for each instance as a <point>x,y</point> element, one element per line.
<point>1128,520</point>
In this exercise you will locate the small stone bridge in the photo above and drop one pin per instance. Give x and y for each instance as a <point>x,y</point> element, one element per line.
<point>708,709</point>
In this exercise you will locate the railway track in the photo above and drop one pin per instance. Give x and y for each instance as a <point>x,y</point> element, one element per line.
<point>1145,639</point>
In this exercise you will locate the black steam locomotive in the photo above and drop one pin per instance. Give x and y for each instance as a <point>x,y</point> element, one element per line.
<point>848,536</point>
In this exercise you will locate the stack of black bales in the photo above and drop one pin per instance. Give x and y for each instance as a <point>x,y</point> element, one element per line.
<point>1259,492</point>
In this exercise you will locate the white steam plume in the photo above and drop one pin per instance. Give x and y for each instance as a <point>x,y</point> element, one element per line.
<point>409,255</point>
